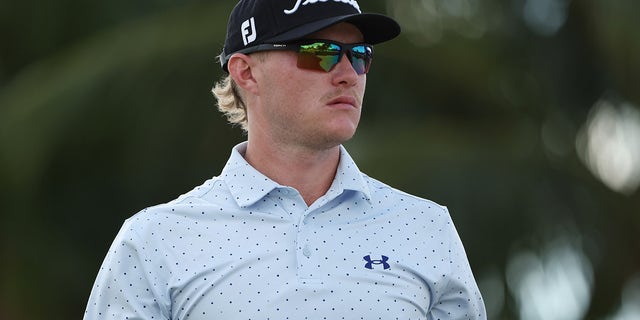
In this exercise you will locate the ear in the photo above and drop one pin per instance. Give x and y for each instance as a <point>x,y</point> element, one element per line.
<point>240,70</point>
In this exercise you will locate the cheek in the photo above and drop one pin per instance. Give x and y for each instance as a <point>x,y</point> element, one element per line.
<point>286,92</point>
<point>285,79</point>
<point>293,89</point>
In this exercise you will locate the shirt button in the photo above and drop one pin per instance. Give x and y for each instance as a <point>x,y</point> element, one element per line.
<point>306,251</point>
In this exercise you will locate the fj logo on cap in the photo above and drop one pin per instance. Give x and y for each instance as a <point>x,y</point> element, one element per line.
<point>249,31</point>
<point>299,3</point>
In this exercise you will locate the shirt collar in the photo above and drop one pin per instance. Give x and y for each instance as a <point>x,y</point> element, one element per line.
<point>348,177</point>
<point>248,185</point>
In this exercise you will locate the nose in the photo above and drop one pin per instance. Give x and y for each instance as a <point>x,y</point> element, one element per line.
<point>344,73</point>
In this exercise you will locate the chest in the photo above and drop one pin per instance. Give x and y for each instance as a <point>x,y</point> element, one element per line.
<point>263,266</point>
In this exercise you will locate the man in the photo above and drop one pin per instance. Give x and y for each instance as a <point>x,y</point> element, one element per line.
<point>291,229</point>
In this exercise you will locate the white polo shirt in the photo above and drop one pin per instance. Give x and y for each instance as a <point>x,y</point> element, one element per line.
<point>241,246</point>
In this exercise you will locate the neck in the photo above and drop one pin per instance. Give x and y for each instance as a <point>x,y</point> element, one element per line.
<point>311,172</point>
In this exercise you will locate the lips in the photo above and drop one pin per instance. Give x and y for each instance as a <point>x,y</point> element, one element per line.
<point>343,101</point>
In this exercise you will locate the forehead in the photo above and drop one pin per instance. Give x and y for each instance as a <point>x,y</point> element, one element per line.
<point>342,32</point>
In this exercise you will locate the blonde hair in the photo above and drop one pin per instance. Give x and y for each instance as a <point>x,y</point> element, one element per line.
<point>230,102</point>
<point>231,97</point>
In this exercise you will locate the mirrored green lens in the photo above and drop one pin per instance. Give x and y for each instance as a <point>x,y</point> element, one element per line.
<point>319,56</point>
<point>324,56</point>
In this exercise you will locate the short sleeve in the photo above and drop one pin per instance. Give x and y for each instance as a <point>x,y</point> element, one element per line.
<point>460,297</point>
<point>124,287</point>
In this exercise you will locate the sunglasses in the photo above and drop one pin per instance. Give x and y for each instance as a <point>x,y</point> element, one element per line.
<point>323,55</point>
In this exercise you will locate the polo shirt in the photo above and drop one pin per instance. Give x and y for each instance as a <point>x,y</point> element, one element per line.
<point>242,246</point>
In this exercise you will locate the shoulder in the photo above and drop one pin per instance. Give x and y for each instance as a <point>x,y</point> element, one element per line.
<point>207,192</point>
<point>201,201</point>
<point>381,191</point>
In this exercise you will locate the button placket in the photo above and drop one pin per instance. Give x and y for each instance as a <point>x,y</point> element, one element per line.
<point>306,251</point>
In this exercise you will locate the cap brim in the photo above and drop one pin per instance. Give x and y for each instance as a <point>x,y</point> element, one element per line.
<point>376,28</point>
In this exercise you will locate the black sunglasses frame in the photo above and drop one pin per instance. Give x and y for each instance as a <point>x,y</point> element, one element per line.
<point>345,48</point>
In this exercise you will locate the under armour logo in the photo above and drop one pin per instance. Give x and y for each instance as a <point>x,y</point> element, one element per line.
<point>370,263</point>
<point>249,31</point>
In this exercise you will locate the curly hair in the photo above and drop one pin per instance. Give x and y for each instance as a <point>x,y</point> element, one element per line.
<point>230,102</point>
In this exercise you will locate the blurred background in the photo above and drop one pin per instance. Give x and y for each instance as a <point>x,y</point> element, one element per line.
<point>522,116</point>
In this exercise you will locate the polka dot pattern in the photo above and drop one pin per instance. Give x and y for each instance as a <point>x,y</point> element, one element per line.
<point>241,246</point>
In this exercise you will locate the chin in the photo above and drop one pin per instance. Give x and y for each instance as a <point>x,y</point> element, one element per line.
<point>330,140</point>
<point>332,134</point>
<point>341,137</point>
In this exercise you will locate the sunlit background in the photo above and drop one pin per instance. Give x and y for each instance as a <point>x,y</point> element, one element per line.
<point>522,116</point>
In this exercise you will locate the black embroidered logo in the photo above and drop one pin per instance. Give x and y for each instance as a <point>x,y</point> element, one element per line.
<point>370,263</point>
